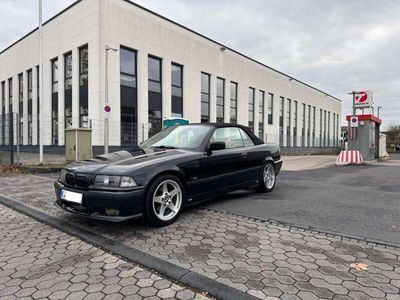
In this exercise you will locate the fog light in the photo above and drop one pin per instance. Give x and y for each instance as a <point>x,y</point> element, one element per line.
<point>112,212</point>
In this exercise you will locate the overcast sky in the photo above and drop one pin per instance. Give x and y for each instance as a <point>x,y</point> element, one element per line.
<point>337,46</point>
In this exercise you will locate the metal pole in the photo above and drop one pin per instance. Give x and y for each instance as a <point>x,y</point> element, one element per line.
<point>354,103</point>
<point>40,86</point>
<point>11,137</point>
<point>106,122</point>
<point>106,102</point>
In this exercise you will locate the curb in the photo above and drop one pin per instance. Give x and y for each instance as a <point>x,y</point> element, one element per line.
<point>330,233</point>
<point>41,169</point>
<point>174,272</point>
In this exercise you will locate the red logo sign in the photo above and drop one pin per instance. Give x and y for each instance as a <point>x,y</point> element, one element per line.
<point>362,97</point>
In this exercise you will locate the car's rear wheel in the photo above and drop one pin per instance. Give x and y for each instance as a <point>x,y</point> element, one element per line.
<point>164,200</point>
<point>268,178</point>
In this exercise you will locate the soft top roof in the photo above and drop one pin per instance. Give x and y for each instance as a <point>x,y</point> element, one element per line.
<point>255,139</point>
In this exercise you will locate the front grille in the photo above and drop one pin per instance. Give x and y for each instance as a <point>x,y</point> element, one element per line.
<point>81,181</point>
<point>77,180</point>
<point>70,179</point>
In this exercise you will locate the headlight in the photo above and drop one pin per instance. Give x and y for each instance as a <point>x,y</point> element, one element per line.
<point>108,181</point>
<point>114,181</point>
<point>62,175</point>
<point>127,182</point>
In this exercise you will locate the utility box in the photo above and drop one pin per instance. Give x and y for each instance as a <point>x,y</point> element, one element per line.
<point>364,135</point>
<point>169,122</point>
<point>78,144</point>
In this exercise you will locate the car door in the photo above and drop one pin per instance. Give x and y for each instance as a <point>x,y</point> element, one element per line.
<point>253,158</point>
<point>223,167</point>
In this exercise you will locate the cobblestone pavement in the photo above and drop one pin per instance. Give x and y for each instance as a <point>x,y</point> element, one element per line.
<point>37,261</point>
<point>262,259</point>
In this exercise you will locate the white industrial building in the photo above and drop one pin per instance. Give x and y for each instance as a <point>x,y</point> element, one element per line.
<point>161,69</point>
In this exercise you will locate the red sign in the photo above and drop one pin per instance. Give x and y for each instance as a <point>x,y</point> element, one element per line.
<point>362,97</point>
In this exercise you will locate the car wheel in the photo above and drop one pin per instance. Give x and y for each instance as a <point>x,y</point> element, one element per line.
<point>164,200</point>
<point>268,178</point>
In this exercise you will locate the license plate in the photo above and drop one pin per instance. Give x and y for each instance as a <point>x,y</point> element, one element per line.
<point>71,196</point>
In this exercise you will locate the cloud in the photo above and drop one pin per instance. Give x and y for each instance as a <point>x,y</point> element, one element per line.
<point>337,46</point>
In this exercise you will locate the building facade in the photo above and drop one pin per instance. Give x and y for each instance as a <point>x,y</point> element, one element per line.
<point>161,70</point>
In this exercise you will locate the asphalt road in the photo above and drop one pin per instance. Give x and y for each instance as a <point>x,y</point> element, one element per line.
<point>353,200</point>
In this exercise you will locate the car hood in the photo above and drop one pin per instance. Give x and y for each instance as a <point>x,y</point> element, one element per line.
<point>118,163</point>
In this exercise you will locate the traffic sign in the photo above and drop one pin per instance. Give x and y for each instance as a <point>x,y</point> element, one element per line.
<point>107,109</point>
<point>354,121</point>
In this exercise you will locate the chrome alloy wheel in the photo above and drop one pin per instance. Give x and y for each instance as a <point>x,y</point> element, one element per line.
<point>269,176</point>
<point>167,200</point>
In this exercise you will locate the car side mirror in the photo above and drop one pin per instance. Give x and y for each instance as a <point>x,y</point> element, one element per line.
<point>214,146</point>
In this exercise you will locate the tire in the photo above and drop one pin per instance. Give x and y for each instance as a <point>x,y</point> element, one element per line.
<point>164,200</point>
<point>267,178</point>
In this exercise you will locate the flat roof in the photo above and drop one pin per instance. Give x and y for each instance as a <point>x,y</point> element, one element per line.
<point>184,27</point>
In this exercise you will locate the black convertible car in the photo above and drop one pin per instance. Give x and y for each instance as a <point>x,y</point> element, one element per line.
<point>177,167</point>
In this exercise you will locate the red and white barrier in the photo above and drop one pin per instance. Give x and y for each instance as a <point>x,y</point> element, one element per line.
<point>349,158</point>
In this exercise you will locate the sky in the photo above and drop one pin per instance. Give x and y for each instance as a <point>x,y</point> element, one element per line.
<point>337,46</point>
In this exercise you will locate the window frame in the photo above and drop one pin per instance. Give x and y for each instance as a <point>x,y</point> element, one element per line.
<point>206,94</point>
<point>219,97</point>
<point>181,68</point>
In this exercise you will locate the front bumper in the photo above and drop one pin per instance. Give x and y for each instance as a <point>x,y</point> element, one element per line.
<point>278,166</point>
<point>96,203</point>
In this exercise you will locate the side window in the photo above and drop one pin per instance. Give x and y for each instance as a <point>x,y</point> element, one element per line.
<point>247,141</point>
<point>229,135</point>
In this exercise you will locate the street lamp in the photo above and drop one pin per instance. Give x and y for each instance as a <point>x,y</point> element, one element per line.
<point>107,49</point>
<point>379,108</point>
<point>40,112</point>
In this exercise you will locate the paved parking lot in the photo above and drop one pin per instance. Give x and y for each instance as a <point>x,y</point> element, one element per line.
<point>260,258</point>
<point>357,200</point>
<point>37,262</point>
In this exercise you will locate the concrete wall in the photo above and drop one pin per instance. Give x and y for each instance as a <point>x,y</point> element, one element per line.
<point>120,23</point>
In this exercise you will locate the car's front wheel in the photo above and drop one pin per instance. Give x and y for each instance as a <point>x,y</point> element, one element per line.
<point>164,200</point>
<point>268,178</point>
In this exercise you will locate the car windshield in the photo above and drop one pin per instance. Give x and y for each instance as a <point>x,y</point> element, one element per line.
<point>185,137</point>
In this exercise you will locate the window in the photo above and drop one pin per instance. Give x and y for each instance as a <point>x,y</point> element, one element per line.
<point>177,90</point>
<point>155,95</point>
<point>288,122</point>
<point>270,109</point>
<point>30,89</point>
<point>251,108</point>
<point>324,128</point>
<point>281,107</point>
<point>21,107</point>
<point>68,90</point>
<point>128,88</point>
<point>3,113</point>
<point>309,126</point>
<point>54,102</point>
<point>229,135</point>
<point>303,126</point>
<point>10,95</point>
<point>83,87</point>
<point>261,116</point>
<point>295,124</point>
<point>37,103</point>
<point>220,99</point>
<point>205,98</point>
<point>313,128</point>
<point>320,127</point>
<point>233,102</point>
<point>329,128</point>
<point>247,141</point>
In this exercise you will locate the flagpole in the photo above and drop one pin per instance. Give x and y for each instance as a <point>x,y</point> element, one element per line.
<point>40,86</point>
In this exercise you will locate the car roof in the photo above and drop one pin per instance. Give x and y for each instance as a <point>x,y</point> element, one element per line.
<point>255,139</point>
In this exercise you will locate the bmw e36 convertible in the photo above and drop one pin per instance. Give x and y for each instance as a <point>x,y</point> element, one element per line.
<point>176,168</point>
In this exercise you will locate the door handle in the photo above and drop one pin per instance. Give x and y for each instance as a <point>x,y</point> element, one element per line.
<point>244,154</point>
